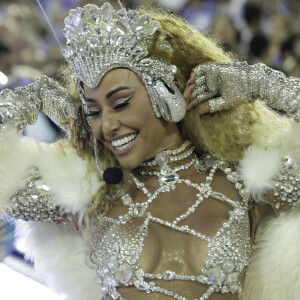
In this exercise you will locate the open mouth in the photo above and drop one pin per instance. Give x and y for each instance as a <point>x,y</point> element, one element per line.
<point>123,144</point>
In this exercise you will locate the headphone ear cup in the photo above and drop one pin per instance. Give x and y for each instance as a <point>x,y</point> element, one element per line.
<point>169,100</point>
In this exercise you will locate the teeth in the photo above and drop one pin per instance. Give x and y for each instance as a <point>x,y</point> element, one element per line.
<point>122,147</point>
<point>122,143</point>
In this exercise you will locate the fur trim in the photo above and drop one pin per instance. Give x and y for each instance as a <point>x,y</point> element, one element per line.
<point>258,168</point>
<point>68,178</point>
<point>61,255</point>
<point>274,271</point>
<point>62,259</point>
<point>292,145</point>
<point>16,156</point>
<point>66,174</point>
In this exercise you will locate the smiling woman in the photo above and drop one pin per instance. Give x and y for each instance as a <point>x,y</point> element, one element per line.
<point>198,212</point>
<point>122,119</point>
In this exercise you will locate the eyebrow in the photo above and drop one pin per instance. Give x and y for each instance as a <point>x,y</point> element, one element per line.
<point>89,100</point>
<point>109,94</point>
<point>118,89</point>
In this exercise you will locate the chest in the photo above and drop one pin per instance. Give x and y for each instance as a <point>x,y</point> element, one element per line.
<point>200,234</point>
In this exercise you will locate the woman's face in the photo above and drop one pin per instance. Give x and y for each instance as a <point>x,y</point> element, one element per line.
<point>123,120</point>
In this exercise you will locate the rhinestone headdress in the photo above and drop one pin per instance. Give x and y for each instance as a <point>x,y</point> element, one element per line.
<point>100,39</point>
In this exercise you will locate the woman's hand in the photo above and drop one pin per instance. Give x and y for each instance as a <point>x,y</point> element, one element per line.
<point>191,98</point>
<point>77,142</point>
<point>222,86</point>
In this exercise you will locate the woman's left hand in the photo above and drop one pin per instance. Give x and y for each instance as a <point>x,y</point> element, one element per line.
<point>191,101</point>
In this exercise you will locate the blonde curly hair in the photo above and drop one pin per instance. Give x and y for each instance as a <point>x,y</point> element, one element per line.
<point>225,134</point>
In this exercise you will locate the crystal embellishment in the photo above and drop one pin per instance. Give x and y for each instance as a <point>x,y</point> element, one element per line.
<point>287,186</point>
<point>34,202</point>
<point>124,238</point>
<point>139,210</point>
<point>228,266</point>
<point>169,275</point>
<point>141,285</point>
<point>124,273</point>
<point>127,200</point>
<point>169,178</point>
<point>100,39</point>
<point>216,275</point>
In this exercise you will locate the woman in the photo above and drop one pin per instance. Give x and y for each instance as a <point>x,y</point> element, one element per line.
<point>182,222</point>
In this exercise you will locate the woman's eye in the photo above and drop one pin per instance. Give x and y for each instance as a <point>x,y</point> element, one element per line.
<point>92,113</point>
<point>123,103</point>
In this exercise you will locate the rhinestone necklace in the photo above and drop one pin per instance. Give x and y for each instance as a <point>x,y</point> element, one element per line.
<point>168,177</point>
<point>171,155</point>
<point>220,271</point>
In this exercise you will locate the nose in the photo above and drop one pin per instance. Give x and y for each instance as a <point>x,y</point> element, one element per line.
<point>110,124</point>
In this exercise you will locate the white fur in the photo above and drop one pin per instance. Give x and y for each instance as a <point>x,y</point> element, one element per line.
<point>292,145</point>
<point>16,156</point>
<point>274,271</point>
<point>61,255</point>
<point>258,168</point>
<point>62,259</point>
<point>64,174</point>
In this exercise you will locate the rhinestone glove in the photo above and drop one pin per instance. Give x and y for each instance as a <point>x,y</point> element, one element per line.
<point>22,106</point>
<point>226,85</point>
<point>34,202</point>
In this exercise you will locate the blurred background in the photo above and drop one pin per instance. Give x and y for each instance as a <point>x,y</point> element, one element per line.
<point>257,30</point>
<point>265,31</point>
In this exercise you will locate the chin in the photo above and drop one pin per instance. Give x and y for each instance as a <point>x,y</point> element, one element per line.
<point>129,164</point>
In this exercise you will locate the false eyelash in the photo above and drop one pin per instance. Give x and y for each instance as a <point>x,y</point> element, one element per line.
<point>92,113</point>
<point>124,103</point>
<point>119,105</point>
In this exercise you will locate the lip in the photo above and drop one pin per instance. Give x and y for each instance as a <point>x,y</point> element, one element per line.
<point>127,149</point>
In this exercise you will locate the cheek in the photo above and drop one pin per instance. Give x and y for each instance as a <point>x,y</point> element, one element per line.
<point>143,113</point>
<point>134,116</point>
<point>141,121</point>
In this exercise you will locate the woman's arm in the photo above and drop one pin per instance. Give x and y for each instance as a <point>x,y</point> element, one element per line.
<point>34,201</point>
<point>22,106</point>
<point>24,194</point>
<point>225,85</point>
<point>286,186</point>
<point>34,177</point>
<point>43,182</point>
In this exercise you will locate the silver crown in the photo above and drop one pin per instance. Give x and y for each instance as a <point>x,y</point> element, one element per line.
<point>100,39</point>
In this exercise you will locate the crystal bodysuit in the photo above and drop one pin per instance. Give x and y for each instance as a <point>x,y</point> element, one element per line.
<point>120,242</point>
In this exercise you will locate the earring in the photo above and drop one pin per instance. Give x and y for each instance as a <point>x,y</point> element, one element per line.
<point>97,158</point>
<point>170,101</point>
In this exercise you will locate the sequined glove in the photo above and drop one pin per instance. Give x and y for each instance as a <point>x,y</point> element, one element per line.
<point>34,202</point>
<point>22,106</point>
<point>226,85</point>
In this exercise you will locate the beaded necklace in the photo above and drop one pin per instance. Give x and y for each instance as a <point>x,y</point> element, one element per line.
<point>118,254</point>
